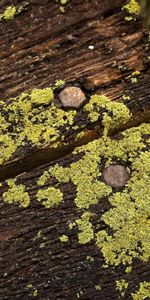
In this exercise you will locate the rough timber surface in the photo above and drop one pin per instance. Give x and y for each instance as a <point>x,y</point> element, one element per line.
<point>38,47</point>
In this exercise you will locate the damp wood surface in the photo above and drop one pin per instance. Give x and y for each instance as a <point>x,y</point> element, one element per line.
<point>41,252</point>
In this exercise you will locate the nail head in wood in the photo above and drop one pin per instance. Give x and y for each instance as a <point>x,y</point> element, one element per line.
<point>72,97</point>
<point>116,175</point>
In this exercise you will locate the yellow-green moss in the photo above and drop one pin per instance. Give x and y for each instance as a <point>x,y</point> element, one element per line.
<point>16,194</point>
<point>126,97</point>
<point>79,294</point>
<point>8,13</point>
<point>128,269</point>
<point>133,7</point>
<point>79,136</point>
<point>58,83</point>
<point>121,285</point>
<point>113,113</point>
<point>72,225</point>
<point>49,197</point>
<point>42,96</point>
<point>143,292</point>
<point>89,258</point>
<point>64,238</point>
<point>97,287</point>
<point>84,175</point>
<point>85,227</point>
<point>136,73</point>
<point>35,293</point>
<point>29,286</point>
<point>33,118</point>
<point>62,2</point>
<point>128,216</point>
<point>134,80</point>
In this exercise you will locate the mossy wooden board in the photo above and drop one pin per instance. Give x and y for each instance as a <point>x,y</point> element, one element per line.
<point>65,233</point>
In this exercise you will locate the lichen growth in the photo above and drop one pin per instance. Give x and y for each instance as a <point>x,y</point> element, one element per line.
<point>58,83</point>
<point>35,293</point>
<point>97,287</point>
<point>83,174</point>
<point>89,258</point>
<point>64,238</point>
<point>79,294</point>
<point>135,73</point>
<point>143,292</point>
<point>31,118</point>
<point>8,13</point>
<point>29,286</point>
<point>133,8</point>
<point>128,269</point>
<point>49,197</point>
<point>121,285</point>
<point>114,113</point>
<point>126,97</point>
<point>134,80</point>
<point>86,233</point>
<point>42,96</point>
<point>72,225</point>
<point>16,194</point>
<point>128,215</point>
<point>62,2</point>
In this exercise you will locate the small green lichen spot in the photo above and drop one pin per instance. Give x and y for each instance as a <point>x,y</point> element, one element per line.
<point>90,258</point>
<point>49,197</point>
<point>143,292</point>
<point>134,80</point>
<point>62,2</point>
<point>86,233</point>
<point>9,13</point>
<point>128,269</point>
<point>58,83</point>
<point>64,238</point>
<point>97,287</point>
<point>121,285</point>
<point>42,96</point>
<point>133,7</point>
<point>35,293</point>
<point>29,286</point>
<point>16,194</point>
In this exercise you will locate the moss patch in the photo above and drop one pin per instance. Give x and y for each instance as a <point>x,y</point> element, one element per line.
<point>121,285</point>
<point>64,238</point>
<point>31,118</point>
<point>16,194</point>
<point>8,13</point>
<point>143,292</point>
<point>133,8</point>
<point>114,113</point>
<point>49,197</point>
<point>129,212</point>
<point>86,233</point>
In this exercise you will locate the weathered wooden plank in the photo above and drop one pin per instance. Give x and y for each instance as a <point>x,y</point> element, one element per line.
<point>60,252</point>
<point>95,243</point>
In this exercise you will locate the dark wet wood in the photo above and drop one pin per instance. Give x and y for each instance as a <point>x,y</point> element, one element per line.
<point>38,47</point>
